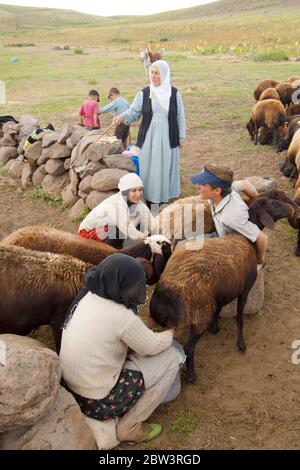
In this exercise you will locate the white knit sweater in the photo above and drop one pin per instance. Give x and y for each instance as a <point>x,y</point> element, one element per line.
<point>114,211</point>
<point>95,342</point>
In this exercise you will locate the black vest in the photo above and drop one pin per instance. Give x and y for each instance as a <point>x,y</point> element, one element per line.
<point>147,114</point>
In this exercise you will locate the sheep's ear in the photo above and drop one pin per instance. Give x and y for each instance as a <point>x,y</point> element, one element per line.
<point>159,264</point>
<point>266,219</point>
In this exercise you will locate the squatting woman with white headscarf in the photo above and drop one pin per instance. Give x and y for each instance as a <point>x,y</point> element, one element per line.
<point>160,134</point>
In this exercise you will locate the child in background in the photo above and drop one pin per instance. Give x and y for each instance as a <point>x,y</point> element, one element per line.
<point>118,105</point>
<point>89,111</point>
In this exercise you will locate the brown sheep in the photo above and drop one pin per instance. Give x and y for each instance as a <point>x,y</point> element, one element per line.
<point>36,289</point>
<point>285,91</point>
<point>196,284</point>
<point>263,86</point>
<point>293,126</point>
<point>267,113</point>
<point>293,110</point>
<point>43,238</point>
<point>292,79</point>
<point>269,93</point>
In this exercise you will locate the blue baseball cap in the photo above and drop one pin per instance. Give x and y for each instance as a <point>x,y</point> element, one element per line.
<point>206,177</point>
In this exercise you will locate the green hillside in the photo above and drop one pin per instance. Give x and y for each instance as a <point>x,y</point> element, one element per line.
<point>226,26</point>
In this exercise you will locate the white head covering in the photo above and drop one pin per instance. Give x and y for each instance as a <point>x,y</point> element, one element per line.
<point>129,181</point>
<point>163,91</point>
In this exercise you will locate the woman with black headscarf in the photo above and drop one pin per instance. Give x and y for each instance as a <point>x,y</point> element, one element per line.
<point>102,323</point>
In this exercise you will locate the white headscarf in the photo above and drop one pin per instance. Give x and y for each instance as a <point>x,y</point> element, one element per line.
<point>162,92</point>
<point>129,181</point>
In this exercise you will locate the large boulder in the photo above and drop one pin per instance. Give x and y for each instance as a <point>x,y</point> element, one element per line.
<point>85,184</point>
<point>116,148</point>
<point>39,176</point>
<point>9,140</point>
<point>65,133</point>
<point>16,169</point>
<point>119,161</point>
<point>7,153</point>
<point>255,299</point>
<point>26,175</point>
<point>97,151</point>
<point>76,136</point>
<point>60,151</point>
<point>50,138</point>
<point>33,153</point>
<point>68,197</point>
<point>45,156</point>
<point>53,185</point>
<point>55,167</point>
<point>107,180</point>
<point>74,178</point>
<point>95,197</point>
<point>62,428</point>
<point>91,168</point>
<point>29,381</point>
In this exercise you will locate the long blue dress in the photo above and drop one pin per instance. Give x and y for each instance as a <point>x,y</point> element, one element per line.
<point>159,163</point>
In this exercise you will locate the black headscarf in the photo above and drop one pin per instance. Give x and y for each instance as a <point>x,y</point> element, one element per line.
<point>118,277</point>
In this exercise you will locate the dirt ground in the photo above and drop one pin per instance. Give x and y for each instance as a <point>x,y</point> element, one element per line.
<point>240,401</point>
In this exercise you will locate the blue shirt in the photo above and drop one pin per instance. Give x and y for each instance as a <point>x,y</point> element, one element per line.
<point>119,106</point>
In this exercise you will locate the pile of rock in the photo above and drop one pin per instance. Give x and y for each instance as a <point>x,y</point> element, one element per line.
<point>36,413</point>
<point>74,164</point>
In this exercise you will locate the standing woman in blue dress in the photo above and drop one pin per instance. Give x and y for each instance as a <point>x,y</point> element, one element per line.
<point>160,134</point>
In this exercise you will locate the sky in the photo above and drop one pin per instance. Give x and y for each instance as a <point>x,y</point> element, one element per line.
<point>112,7</point>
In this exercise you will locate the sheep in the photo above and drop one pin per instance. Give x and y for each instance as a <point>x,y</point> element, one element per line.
<point>196,284</point>
<point>263,86</point>
<point>293,126</point>
<point>152,252</point>
<point>269,93</point>
<point>36,289</point>
<point>291,166</point>
<point>292,79</point>
<point>293,110</point>
<point>175,213</point>
<point>285,91</point>
<point>267,113</point>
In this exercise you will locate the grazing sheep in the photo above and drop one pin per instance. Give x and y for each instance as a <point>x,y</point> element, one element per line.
<point>36,289</point>
<point>269,93</point>
<point>196,284</point>
<point>285,91</point>
<point>293,110</point>
<point>266,113</point>
<point>293,126</point>
<point>43,238</point>
<point>263,86</point>
<point>292,79</point>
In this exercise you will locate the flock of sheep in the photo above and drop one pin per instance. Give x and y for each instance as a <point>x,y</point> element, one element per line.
<point>41,268</point>
<point>277,115</point>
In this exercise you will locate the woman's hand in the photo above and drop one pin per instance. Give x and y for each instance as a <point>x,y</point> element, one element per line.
<point>181,142</point>
<point>118,120</point>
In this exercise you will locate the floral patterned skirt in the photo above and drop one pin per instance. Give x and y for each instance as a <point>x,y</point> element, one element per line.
<point>128,389</point>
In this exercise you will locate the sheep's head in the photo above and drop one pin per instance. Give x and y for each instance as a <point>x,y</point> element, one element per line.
<point>166,307</point>
<point>266,210</point>
<point>250,128</point>
<point>160,245</point>
<point>161,250</point>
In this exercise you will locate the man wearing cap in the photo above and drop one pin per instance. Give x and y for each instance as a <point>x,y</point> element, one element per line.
<point>229,211</point>
<point>121,216</point>
<point>118,105</point>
